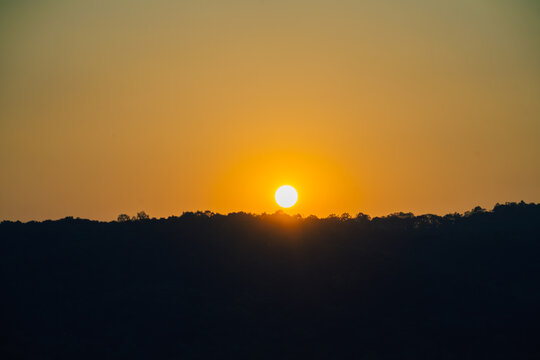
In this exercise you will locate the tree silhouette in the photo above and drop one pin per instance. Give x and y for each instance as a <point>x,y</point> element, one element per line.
<point>205,286</point>
<point>141,215</point>
<point>123,218</point>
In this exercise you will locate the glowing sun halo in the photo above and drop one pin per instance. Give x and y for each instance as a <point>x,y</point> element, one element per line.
<point>286,196</point>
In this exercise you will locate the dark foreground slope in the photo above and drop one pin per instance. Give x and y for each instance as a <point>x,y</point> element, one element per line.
<point>206,286</point>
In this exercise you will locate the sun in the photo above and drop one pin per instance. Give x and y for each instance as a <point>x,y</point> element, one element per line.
<point>286,196</point>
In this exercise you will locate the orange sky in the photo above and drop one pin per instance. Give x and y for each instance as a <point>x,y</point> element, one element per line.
<point>117,106</point>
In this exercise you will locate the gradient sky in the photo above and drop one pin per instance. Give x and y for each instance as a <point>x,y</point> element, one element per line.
<point>115,106</point>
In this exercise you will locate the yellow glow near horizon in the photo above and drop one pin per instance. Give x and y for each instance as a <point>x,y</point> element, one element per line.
<point>286,196</point>
<point>367,106</point>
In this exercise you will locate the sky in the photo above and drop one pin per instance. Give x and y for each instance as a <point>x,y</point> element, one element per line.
<point>118,106</point>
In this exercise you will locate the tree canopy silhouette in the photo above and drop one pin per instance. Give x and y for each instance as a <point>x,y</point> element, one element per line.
<point>205,285</point>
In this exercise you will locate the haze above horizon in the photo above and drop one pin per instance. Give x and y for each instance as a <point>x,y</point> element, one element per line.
<point>117,106</point>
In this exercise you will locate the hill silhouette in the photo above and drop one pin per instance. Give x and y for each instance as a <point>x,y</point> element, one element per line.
<point>211,286</point>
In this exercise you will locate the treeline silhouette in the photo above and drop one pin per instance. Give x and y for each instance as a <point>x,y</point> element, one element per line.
<point>274,286</point>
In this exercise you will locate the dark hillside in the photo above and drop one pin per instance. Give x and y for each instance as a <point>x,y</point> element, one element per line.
<point>207,286</point>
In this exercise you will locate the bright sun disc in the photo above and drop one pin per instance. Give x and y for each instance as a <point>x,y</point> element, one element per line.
<point>286,196</point>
